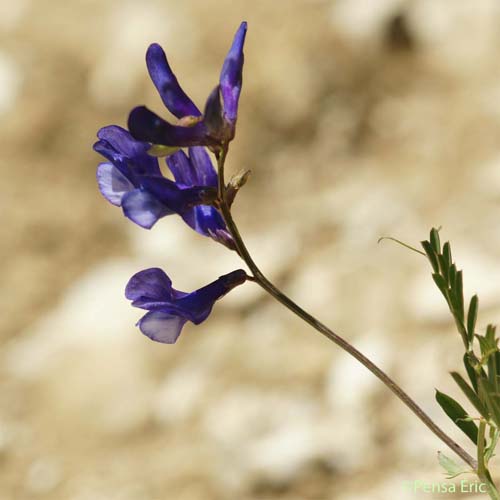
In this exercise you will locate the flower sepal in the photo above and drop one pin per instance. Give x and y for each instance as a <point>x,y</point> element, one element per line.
<point>161,151</point>
<point>219,129</point>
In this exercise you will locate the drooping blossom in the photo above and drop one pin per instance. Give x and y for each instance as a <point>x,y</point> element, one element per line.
<point>169,309</point>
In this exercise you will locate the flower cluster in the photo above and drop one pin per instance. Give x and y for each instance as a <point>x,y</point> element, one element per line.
<point>132,179</point>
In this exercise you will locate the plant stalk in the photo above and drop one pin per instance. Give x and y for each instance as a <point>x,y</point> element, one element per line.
<point>320,327</point>
<point>482,469</point>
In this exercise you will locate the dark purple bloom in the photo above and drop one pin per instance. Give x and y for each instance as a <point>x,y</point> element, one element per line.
<point>197,170</point>
<point>132,179</point>
<point>215,126</point>
<point>169,309</point>
<point>125,180</point>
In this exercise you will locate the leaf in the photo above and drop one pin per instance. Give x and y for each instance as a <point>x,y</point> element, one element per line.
<point>459,291</point>
<point>445,268</point>
<point>472,317</point>
<point>462,331</point>
<point>494,435</point>
<point>447,253</point>
<point>458,415</point>
<point>435,241</point>
<point>492,368</point>
<point>483,345</point>
<point>492,371</point>
<point>470,394</point>
<point>431,255</point>
<point>441,284</point>
<point>470,371</point>
<point>490,335</point>
<point>455,303</point>
<point>453,276</point>
<point>487,394</point>
<point>450,466</point>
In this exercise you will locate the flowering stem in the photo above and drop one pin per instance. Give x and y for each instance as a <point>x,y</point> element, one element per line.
<point>259,278</point>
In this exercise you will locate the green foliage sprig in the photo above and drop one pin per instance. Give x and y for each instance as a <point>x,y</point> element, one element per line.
<point>483,368</point>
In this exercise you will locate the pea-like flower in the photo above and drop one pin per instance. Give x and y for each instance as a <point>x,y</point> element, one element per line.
<point>197,170</point>
<point>170,309</point>
<point>132,179</point>
<point>212,128</point>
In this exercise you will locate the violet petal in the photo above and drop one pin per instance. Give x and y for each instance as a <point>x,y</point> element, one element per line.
<point>171,93</point>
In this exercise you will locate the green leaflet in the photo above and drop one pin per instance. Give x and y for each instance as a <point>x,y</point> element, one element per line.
<point>472,317</point>
<point>471,372</point>
<point>471,395</point>
<point>435,241</point>
<point>458,415</point>
<point>431,255</point>
<point>450,466</point>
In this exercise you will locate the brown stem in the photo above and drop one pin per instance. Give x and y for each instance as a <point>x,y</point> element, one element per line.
<point>320,327</point>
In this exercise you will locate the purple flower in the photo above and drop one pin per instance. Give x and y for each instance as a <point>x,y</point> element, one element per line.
<point>169,309</point>
<point>197,170</point>
<point>132,179</point>
<point>215,126</point>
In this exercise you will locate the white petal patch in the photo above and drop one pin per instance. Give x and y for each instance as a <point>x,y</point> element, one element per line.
<point>112,183</point>
<point>143,208</point>
<point>161,327</point>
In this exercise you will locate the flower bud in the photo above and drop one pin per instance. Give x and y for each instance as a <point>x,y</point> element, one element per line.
<point>235,184</point>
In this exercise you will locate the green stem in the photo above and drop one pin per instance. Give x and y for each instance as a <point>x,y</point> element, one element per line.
<point>481,466</point>
<point>320,327</point>
<point>482,470</point>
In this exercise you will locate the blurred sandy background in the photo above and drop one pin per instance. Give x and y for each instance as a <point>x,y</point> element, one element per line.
<point>359,119</point>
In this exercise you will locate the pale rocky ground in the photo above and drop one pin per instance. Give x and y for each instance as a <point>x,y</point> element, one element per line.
<point>359,119</point>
